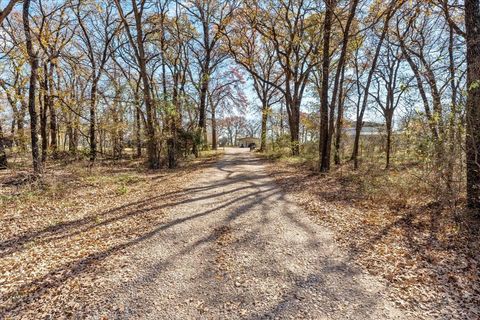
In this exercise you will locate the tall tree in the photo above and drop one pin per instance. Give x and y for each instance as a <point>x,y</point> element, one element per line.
<point>33,60</point>
<point>324,108</point>
<point>472,23</point>
<point>292,30</point>
<point>96,39</point>
<point>211,18</point>
<point>339,86</point>
<point>387,15</point>
<point>137,42</point>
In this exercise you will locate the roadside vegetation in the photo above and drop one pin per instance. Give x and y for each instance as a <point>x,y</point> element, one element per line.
<point>399,223</point>
<point>63,237</point>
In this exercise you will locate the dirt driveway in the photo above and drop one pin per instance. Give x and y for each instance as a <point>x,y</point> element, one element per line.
<point>236,247</point>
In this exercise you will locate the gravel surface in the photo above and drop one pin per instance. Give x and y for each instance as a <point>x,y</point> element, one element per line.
<point>235,246</point>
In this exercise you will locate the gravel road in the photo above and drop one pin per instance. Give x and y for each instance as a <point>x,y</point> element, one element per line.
<point>234,246</point>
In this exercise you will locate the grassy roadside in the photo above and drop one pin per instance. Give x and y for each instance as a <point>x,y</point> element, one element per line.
<point>393,225</point>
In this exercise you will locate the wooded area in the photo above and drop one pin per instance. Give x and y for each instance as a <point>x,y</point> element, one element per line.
<point>348,92</point>
<point>169,77</point>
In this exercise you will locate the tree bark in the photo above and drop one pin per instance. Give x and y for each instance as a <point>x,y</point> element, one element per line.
<point>339,123</point>
<point>324,109</point>
<point>472,23</point>
<point>20,119</point>
<point>338,87</point>
<point>173,119</point>
<point>53,114</point>
<point>92,119</point>
<point>3,153</point>
<point>33,59</point>
<point>453,111</point>
<point>389,140</point>
<point>138,131</point>
<point>294,121</point>
<point>44,103</point>
<point>214,130</point>
<point>202,123</point>
<point>263,134</point>
<point>152,152</point>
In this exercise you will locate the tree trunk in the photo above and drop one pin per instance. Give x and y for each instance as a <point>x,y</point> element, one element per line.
<point>453,112</point>
<point>37,164</point>
<point>472,23</point>
<point>53,132</point>
<point>214,130</point>
<point>263,142</point>
<point>92,110</point>
<point>202,123</point>
<point>139,50</point>
<point>138,131</point>
<point>324,109</point>
<point>172,141</point>
<point>71,146</point>
<point>339,124</point>
<point>294,121</point>
<point>338,87</point>
<point>43,115</point>
<point>3,153</point>
<point>389,140</point>
<point>20,119</point>
<point>152,152</point>
<point>12,127</point>
<point>282,125</point>
<point>53,115</point>
<point>356,143</point>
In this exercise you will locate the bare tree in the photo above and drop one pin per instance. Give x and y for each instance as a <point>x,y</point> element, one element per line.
<point>295,40</point>
<point>96,36</point>
<point>389,11</point>
<point>211,17</point>
<point>136,40</point>
<point>8,8</point>
<point>257,57</point>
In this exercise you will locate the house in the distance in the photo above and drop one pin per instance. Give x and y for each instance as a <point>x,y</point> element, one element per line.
<point>369,128</point>
<point>247,141</point>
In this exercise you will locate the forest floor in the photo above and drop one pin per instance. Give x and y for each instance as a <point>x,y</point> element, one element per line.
<point>389,223</point>
<point>227,238</point>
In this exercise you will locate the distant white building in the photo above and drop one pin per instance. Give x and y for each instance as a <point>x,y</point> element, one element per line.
<point>368,129</point>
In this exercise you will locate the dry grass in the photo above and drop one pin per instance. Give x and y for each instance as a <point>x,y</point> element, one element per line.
<point>392,224</point>
<point>62,237</point>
